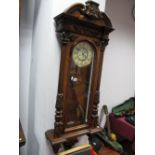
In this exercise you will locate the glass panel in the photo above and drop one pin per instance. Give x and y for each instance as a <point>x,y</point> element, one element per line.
<point>79,86</point>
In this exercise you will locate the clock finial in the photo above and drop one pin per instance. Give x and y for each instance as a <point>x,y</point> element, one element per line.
<point>92,9</point>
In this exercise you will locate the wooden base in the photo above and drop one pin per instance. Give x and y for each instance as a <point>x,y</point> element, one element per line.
<point>67,137</point>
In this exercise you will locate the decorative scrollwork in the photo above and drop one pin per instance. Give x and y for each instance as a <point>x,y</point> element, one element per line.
<point>105,40</point>
<point>65,37</point>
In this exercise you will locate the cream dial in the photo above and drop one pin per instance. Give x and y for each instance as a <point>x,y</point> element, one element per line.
<point>82,54</point>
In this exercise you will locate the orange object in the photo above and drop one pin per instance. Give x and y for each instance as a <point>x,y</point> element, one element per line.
<point>113,137</point>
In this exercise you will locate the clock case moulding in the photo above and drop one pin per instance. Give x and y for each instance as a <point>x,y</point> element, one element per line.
<point>79,23</point>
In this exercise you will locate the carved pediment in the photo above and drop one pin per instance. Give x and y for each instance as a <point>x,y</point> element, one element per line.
<point>89,12</point>
<point>83,19</point>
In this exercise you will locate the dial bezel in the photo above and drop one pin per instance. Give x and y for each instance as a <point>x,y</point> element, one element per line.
<point>84,56</point>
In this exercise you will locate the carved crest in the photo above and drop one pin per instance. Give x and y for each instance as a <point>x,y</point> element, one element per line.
<point>88,18</point>
<point>91,9</point>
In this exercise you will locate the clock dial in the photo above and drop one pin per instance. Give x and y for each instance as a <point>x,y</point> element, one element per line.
<point>82,54</point>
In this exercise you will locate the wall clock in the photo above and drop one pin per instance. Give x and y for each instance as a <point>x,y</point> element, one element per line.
<point>83,34</point>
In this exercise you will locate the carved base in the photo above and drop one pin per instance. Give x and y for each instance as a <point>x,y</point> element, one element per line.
<point>68,137</point>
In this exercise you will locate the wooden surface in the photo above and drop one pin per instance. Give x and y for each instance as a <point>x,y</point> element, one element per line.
<point>50,135</point>
<point>107,151</point>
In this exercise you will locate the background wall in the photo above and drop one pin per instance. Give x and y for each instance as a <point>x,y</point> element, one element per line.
<point>25,43</point>
<point>40,58</point>
<point>118,75</point>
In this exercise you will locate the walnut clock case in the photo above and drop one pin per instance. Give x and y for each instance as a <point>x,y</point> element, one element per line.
<point>83,34</point>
